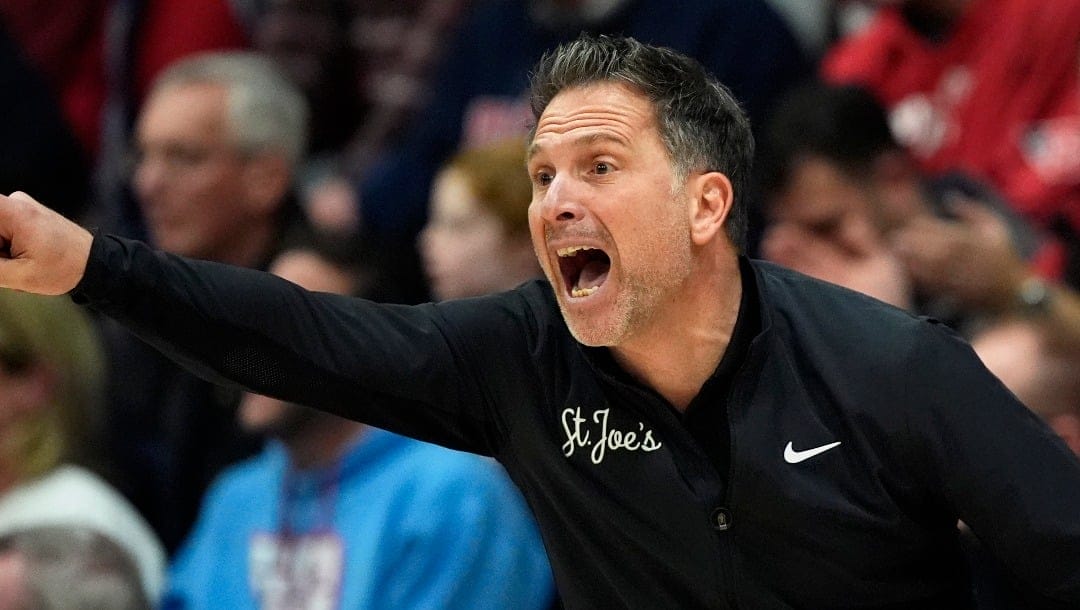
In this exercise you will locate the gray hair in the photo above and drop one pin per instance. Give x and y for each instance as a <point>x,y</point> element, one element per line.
<point>74,567</point>
<point>700,122</point>
<point>265,110</point>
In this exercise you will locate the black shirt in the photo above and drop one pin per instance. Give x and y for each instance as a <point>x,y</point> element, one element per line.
<point>706,416</point>
<point>900,432</point>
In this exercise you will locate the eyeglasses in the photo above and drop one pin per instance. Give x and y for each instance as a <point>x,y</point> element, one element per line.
<point>178,159</point>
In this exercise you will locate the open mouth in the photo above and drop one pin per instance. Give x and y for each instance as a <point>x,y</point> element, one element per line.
<point>583,269</point>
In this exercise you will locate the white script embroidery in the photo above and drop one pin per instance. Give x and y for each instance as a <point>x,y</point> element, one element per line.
<point>579,436</point>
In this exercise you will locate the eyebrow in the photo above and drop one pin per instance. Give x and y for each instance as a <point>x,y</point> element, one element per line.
<point>585,139</point>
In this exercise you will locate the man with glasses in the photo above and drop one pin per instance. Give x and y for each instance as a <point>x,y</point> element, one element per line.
<point>216,145</point>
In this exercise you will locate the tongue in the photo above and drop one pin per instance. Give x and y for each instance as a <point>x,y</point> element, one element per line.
<point>593,274</point>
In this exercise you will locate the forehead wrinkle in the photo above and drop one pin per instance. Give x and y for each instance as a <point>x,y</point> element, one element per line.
<point>615,113</point>
<point>610,131</point>
<point>611,108</point>
<point>587,139</point>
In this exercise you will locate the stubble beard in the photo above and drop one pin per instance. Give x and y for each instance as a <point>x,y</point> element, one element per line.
<point>642,294</point>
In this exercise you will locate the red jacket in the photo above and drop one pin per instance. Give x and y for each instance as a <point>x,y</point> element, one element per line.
<point>998,98</point>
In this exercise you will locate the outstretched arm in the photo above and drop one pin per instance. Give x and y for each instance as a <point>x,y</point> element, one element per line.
<point>433,372</point>
<point>40,250</point>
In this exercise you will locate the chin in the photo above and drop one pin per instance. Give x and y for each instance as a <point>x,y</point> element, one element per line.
<point>589,338</point>
<point>593,333</point>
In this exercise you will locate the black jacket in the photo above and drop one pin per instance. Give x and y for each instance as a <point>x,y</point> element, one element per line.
<point>631,509</point>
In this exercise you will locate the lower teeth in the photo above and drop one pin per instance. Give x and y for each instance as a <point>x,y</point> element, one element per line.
<point>583,292</point>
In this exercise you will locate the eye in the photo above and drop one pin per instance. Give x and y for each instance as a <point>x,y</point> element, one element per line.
<point>601,168</point>
<point>543,178</point>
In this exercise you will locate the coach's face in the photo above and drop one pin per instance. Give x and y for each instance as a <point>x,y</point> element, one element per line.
<point>607,221</point>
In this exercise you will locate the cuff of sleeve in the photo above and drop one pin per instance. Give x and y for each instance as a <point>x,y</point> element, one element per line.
<point>93,288</point>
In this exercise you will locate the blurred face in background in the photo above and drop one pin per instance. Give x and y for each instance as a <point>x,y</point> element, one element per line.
<point>30,439</point>
<point>262,414</point>
<point>192,184</point>
<point>820,199</point>
<point>23,386</point>
<point>51,378</point>
<point>466,249</point>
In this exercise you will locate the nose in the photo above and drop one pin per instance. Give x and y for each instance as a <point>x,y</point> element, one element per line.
<point>562,202</point>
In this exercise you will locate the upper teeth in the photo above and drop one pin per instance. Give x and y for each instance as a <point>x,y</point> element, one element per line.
<point>570,251</point>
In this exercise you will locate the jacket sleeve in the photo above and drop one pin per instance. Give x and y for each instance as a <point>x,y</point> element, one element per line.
<point>402,368</point>
<point>997,465</point>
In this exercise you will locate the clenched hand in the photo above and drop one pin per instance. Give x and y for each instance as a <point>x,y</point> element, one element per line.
<point>40,250</point>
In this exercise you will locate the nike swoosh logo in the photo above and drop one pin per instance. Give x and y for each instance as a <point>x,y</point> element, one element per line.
<point>794,457</point>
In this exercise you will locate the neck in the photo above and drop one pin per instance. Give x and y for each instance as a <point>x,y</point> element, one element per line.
<point>322,441</point>
<point>678,351</point>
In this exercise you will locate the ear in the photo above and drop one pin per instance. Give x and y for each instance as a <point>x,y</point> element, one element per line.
<point>266,180</point>
<point>711,198</point>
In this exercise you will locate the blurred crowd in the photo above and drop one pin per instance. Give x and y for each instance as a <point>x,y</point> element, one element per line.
<point>924,152</point>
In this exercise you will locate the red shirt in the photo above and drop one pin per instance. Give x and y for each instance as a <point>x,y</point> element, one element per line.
<point>999,99</point>
<point>65,41</point>
<point>173,29</point>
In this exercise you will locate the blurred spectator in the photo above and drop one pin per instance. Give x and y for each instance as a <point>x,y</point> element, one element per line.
<point>848,205</point>
<point>82,69</point>
<point>142,38</point>
<point>309,42</point>
<point>476,240</point>
<point>215,150</point>
<point>1036,354</point>
<point>338,514</point>
<point>51,374</point>
<point>73,45</point>
<point>53,568</point>
<point>399,43</point>
<point>364,65</point>
<point>988,87</point>
<point>839,188</point>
